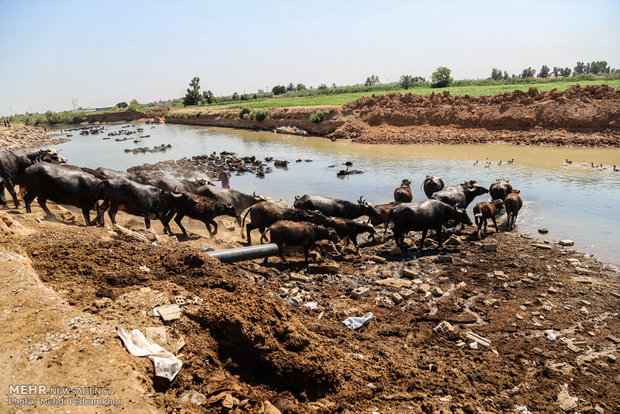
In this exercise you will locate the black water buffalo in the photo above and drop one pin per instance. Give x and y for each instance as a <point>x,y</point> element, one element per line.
<point>298,233</point>
<point>460,195</point>
<point>142,200</point>
<point>429,214</point>
<point>403,193</point>
<point>62,185</point>
<point>500,189</point>
<point>513,203</point>
<point>336,207</point>
<point>264,214</point>
<point>168,184</point>
<point>13,163</point>
<point>107,173</point>
<point>205,210</point>
<point>240,201</point>
<point>431,185</point>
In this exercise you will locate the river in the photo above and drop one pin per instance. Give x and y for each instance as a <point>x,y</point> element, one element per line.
<point>573,202</point>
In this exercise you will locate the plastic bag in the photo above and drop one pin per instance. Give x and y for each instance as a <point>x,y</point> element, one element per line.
<point>356,322</point>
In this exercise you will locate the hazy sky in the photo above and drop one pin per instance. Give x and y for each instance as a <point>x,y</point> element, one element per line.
<point>103,52</point>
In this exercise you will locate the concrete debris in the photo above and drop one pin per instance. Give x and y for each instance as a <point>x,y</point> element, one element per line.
<point>408,273</point>
<point>565,401</point>
<point>394,283</point>
<point>168,312</point>
<point>360,292</point>
<point>542,246</point>
<point>443,327</point>
<point>472,337</point>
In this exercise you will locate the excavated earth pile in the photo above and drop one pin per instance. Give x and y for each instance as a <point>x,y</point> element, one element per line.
<point>587,116</point>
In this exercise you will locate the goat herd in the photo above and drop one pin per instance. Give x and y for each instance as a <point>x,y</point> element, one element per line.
<point>312,217</point>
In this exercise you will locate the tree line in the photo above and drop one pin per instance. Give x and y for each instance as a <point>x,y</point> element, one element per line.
<point>595,68</point>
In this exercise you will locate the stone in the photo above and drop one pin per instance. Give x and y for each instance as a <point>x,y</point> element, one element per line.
<point>498,273</point>
<point>169,312</point>
<point>377,259</point>
<point>543,230</point>
<point>394,283</point>
<point>408,273</point>
<point>396,298</point>
<point>156,335</point>
<point>360,292</point>
<point>406,293</point>
<point>565,401</point>
<point>552,290</point>
<point>583,279</point>
<point>437,291</point>
<point>461,285</point>
<point>542,246</point>
<point>329,268</point>
<point>445,258</point>
<point>269,408</point>
<point>298,277</point>
<point>585,302</point>
<point>349,284</point>
<point>615,295</point>
<point>489,247</point>
<point>424,287</point>
<point>584,311</point>
<point>193,397</point>
<point>453,240</point>
<point>519,317</point>
<point>566,242</point>
<point>611,358</point>
<point>417,281</point>
<point>582,270</point>
<point>229,402</point>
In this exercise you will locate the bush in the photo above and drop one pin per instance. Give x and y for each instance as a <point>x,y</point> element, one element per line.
<point>260,114</point>
<point>317,117</point>
<point>243,112</point>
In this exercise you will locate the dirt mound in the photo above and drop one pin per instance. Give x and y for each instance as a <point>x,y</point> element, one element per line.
<point>570,117</point>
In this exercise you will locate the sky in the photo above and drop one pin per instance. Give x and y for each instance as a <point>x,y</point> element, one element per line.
<point>105,52</point>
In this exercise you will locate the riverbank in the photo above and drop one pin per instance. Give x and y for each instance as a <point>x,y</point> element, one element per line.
<point>22,138</point>
<point>252,335</point>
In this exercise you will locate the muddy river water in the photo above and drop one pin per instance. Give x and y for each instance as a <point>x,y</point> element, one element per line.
<point>574,202</point>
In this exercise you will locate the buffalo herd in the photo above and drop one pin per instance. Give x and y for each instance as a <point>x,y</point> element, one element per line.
<point>46,176</point>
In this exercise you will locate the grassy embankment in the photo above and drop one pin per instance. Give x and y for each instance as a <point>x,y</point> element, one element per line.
<point>343,98</point>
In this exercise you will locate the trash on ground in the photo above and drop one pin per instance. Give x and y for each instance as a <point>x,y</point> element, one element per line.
<point>166,364</point>
<point>477,338</point>
<point>145,268</point>
<point>356,322</point>
<point>550,335</point>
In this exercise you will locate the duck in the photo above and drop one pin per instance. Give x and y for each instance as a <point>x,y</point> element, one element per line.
<point>616,168</point>
<point>500,162</point>
<point>511,161</point>
<point>476,163</point>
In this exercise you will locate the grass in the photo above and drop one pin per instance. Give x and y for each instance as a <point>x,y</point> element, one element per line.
<point>341,99</point>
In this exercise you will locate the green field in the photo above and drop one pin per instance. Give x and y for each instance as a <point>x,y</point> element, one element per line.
<point>341,99</point>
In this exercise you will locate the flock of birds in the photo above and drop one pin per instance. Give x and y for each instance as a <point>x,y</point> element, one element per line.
<point>593,166</point>
<point>487,164</point>
<point>567,163</point>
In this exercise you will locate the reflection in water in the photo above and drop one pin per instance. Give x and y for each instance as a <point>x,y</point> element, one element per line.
<point>572,202</point>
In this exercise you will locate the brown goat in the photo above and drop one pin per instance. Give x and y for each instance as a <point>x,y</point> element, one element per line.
<point>486,210</point>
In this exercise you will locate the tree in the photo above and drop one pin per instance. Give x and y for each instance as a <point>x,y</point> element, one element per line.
<point>372,80</point>
<point>406,81</point>
<point>290,87</point>
<point>278,89</point>
<point>301,87</point>
<point>235,96</point>
<point>544,72</point>
<point>599,67</point>
<point>321,86</point>
<point>193,96</point>
<point>208,97</point>
<point>133,105</point>
<point>528,72</point>
<point>122,105</point>
<point>565,72</point>
<point>556,71</point>
<point>441,77</point>
<point>496,74</point>
<point>580,68</point>
<point>506,75</point>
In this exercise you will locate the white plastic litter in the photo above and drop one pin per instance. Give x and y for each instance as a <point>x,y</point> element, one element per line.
<point>165,363</point>
<point>550,335</point>
<point>356,322</point>
<point>522,409</point>
<point>473,345</point>
<point>145,268</point>
<point>311,305</point>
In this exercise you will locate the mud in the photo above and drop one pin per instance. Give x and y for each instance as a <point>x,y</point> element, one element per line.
<point>22,137</point>
<point>246,343</point>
